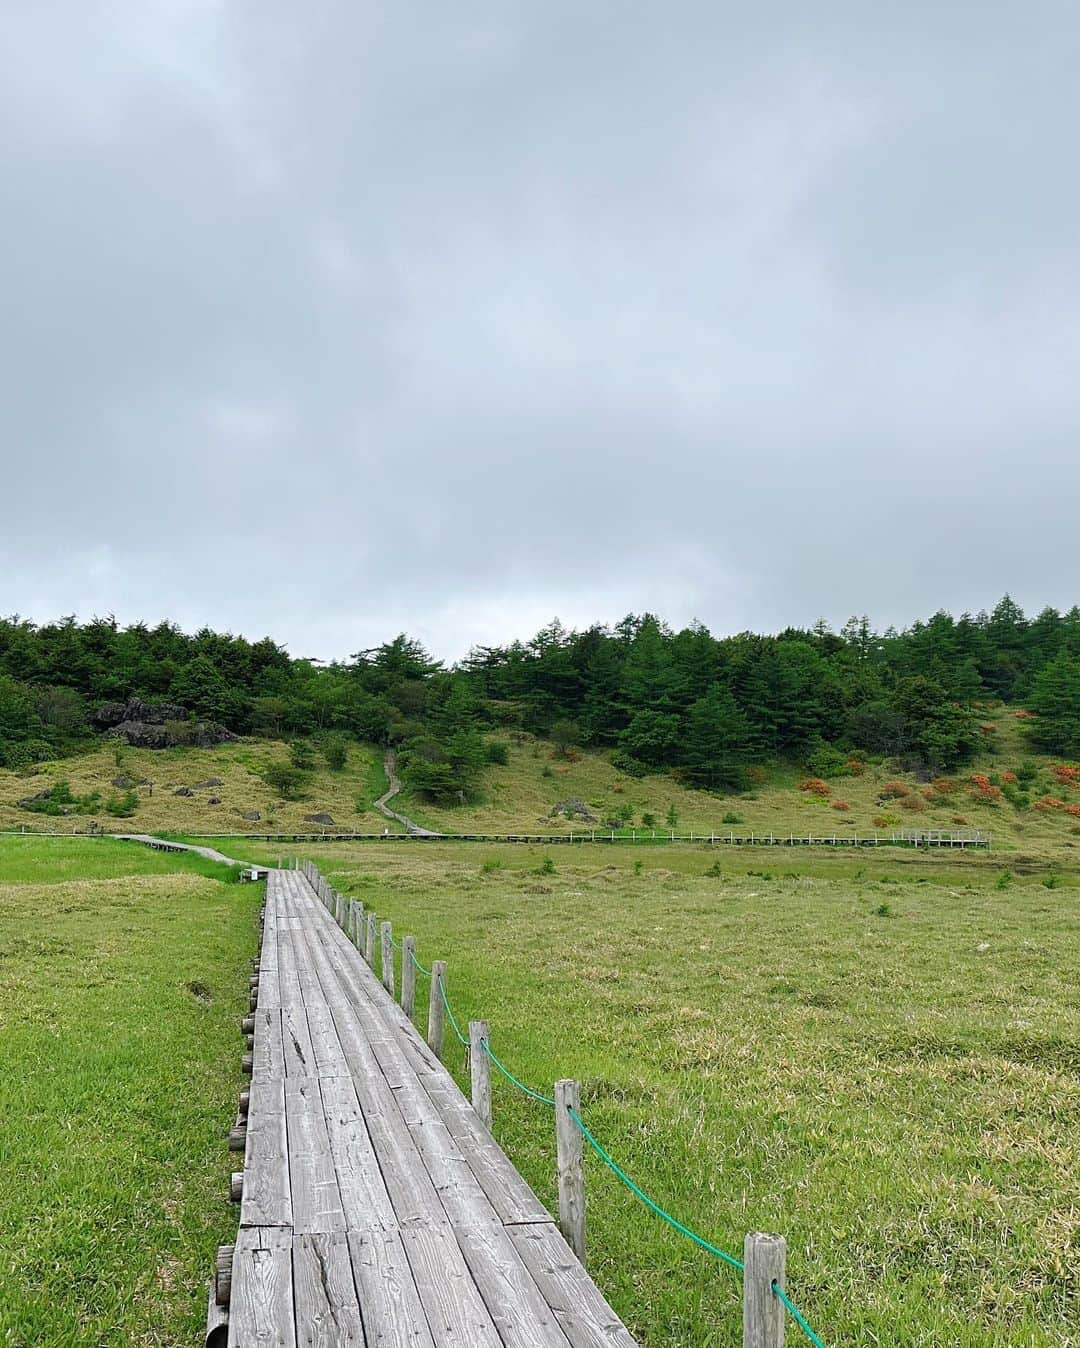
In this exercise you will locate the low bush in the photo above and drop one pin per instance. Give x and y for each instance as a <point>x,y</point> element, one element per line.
<point>840,805</point>
<point>912,802</point>
<point>122,806</point>
<point>815,786</point>
<point>497,752</point>
<point>894,791</point>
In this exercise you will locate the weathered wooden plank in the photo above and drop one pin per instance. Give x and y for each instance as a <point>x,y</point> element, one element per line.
<point>266,1200</point>
<point>326,1307</point>
<point>521,1315</point>
<point>364,1197</point>
<point>455,1309</point>
<point>584,1316</point>
<point>316,1201</point>
<point>390,1303</point>
<point>261,1307</point>
<point>269,1051</point>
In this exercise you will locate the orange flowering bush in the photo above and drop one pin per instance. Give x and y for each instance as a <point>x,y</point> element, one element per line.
<point>1048,803</point>
<point>1073,809</point>
<point>1067,776</point>
<point>1024,715</point>
<point>840,805</point>
<point>944,786</point>
<point>815,786</point>
<point>855,766</point>
<point>894,791</point>
<point>1009,777</point>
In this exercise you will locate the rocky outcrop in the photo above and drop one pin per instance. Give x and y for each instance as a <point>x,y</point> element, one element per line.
<point>210,781</point>
<point>252,816</point>
<point>321,817</point>
<point>573,809</point>
<point>159,725</point>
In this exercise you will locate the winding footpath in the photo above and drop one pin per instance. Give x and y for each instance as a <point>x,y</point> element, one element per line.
<point>381,805</point>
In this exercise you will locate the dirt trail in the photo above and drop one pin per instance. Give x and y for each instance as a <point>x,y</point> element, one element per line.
<point>395,786</point>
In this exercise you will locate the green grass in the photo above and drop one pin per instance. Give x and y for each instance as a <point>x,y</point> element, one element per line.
<point>123,974</point>
<point>879,1060</point>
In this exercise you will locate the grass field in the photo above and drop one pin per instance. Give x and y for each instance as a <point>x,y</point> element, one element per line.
<point>123,975</point>
<point>880,1060</point>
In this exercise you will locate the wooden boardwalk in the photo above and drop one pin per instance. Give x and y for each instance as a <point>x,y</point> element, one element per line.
<point>376,1209</point>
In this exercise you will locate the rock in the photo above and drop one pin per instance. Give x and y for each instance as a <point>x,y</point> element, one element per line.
<point>214,800</point>
<point>124,783</point>
<point>183,791</point>
<point>573,809</point>
<point>252,815</point>
<point>28,801</point>
<point>321,817</point>
<point>210,781</point>
<point>115,714</point>
<point>154,735</point>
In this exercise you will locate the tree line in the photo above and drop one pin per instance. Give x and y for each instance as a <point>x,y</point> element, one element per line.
<point>707,708</point>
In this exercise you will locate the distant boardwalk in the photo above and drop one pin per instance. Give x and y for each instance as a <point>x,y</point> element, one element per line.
<point>375,1207</point>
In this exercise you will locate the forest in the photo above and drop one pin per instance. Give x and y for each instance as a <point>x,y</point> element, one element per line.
<point>702,707</point>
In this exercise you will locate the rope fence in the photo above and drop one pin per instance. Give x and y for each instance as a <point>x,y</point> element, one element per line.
<point>764,1256</point>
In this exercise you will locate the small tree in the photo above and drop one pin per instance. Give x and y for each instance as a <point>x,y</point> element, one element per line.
<point>302,756</point>
<point>564,736</point>
<point>336,752</point>
<point>286,780</point>
<point>672,817</point>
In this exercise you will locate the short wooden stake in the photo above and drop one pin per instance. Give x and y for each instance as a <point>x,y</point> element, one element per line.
<point>408,975</point>
<point>247,1063</point>
<point>435,1008</point>
<point>387,961</point>
<point>369,941</point>
<point>764,1257</point>
<point>480,1070</point>
<point>236,1186</point>
<point>247,1025</point>
<point>570,1153</point>
<point>223,1274</point>
<point>238,1137</point>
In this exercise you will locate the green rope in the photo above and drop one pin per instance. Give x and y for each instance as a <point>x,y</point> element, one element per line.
<point>395,944</point>
<point>416,962</point>
<point>698,1240</point>
<point>544,1099</point>
<point>778,1291</point>
<point>449,1012</point>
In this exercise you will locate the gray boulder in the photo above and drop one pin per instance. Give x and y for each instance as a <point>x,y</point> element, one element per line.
<point>253,816</point>
<point>573,809</point>
<point>210,781</point>
<point>183,791</point>
<point>320,817</point>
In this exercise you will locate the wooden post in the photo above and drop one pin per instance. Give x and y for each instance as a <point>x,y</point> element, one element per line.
<point>387,957</point>
<point>408,975</point>
<point>570,1152</point>
<point>435,1008</point>
<point>480,1070</point>
<point>236,1185</point>
<point>369,940</point>
<point>764,1258</point>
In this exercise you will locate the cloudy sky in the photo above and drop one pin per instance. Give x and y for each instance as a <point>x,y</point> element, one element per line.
<point>328,321</point>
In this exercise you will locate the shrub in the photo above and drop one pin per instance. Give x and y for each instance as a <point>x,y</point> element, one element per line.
<point>302,755</point>
<point>285,779</point>
<point>894,791</point>
<point>960,819</point>
<point>827,761</point>
<point>1009,778</point>
<point>336,753</point>
<point>928,793</point>
<point>1048,803</point>
<point>1052,881</point>
<point>1004,880</point>
<point>489,865</point>
<point>840,805</point>
<point>624,762</point>
<point>945,786</point>
<point>815,786</point>
<point>648,819</point>
<point>545,771</point>
<point>757,775</point>
<point>914,803</point>
<point>1073,810</point>
<point>1024,715</point>
<point>547,867</point>
<point>855,766</point>
<point>731,818</point>
<point>1067,776</point>
<point>122,806</point>
<point>639,866</point>
<point>1020,799</point>
<point>982,788</point>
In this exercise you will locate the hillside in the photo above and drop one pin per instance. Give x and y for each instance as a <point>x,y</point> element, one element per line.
<point>521,794</point>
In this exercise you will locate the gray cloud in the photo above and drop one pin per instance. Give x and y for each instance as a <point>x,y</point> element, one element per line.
<point>453,318</point>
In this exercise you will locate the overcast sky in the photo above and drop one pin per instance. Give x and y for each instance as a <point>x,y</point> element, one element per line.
<point>328,321</point>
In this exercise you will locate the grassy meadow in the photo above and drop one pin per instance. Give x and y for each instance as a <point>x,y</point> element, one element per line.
<point>123,975</point>
<point>877,1056</point>
<point>346,795</point>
